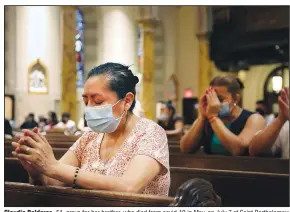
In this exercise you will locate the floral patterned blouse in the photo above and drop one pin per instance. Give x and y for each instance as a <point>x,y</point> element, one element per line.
<point>147,138</point>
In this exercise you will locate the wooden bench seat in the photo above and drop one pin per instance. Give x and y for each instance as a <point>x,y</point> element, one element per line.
<point>237,188</point>
<point>25,195</point>
<point>241,163</point>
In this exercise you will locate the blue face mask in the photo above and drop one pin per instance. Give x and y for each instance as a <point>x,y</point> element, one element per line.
<point>100,118</point>
<point>224,110</point>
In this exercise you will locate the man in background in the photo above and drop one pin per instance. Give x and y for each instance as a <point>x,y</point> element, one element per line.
<point>68,125</point>
<point>30,122</point>
<point>262,109</point>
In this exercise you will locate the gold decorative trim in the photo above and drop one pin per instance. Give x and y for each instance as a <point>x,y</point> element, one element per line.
<point>148,22</point>
<point>203,36</point>
<point>44,70</point>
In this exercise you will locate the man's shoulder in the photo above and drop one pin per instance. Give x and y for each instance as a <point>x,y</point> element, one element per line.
<point>285,130</point>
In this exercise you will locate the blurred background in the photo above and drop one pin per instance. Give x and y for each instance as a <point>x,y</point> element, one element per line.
<point>174,50</point>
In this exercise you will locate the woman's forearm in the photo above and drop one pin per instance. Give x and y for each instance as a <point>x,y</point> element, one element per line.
<point>263,141</point>
<point>88,180</point>
<point>191,140</point>
<point>228,139</point>
<point>44,180</point>
<point>37,180</point>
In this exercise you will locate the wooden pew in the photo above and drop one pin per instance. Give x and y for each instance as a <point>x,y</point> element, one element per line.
<point>173,148</point>
<point>25,195</point>
<point>58,152</point>
<point>199,160</point>
<point>57,144</point>
<point>14,172</point>
<point>239,189</point>
<point>61,147</point>
<point>254,164</point>
<point>58,138</point>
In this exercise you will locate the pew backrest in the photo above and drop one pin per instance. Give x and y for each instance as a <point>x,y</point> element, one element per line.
<point>239,188</point>
<point>242,163</point>
<point>25,195</point>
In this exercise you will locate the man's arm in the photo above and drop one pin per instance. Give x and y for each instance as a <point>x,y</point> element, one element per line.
<point>264,140</point>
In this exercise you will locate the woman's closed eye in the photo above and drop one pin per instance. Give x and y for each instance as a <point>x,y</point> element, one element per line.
<point>98,103</point>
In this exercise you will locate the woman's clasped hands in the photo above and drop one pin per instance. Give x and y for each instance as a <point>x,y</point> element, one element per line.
<point>35,153</point>
<point>209,104</point>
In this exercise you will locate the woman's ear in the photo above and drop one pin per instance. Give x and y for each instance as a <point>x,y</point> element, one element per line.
<point>237,98</point>
<point>129,98</point>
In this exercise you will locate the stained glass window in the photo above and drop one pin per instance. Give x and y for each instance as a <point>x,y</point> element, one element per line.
<point>140,49</point>
<point>79,48</point>
<point>140,59</point>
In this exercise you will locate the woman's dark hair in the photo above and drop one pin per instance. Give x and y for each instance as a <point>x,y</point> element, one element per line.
<point>121,79</point>
<point>53,117</point>
<point>233,84</point>
<point>170,107</point>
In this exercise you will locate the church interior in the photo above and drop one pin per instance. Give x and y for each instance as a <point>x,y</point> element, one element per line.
<point>182,56</point>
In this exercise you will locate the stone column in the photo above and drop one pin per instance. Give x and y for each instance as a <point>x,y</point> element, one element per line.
<point>205,64</point>
<point>68,79</point>
<point>117,35</point>
<point>148,23</point>
<point>37,36</point>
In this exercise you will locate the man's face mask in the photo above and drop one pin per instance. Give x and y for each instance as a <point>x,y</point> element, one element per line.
<point>100,118</point>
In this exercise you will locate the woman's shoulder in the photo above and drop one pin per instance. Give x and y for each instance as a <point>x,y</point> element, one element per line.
<point>245,115</point>
<point>247,112</point>
<point>149,130</point>
<point>150,126</point>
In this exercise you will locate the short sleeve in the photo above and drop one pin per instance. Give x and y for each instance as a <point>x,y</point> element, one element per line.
<point>278,145</point>
<point>178,118</point>
<point>154,144</point>
<point>79,146</point>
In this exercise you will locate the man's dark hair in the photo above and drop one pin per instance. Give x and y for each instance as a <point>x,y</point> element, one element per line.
<point>121,79</point>
<point>65,115</point>
<point>31,115</point>
<point>261,102</point>
<point>196,193</point>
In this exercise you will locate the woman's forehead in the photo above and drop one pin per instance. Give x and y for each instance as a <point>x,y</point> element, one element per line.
<point>96,85</point>
<point>221,90</point>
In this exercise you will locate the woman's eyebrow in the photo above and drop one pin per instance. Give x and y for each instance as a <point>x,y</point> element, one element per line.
<point>92,95</point>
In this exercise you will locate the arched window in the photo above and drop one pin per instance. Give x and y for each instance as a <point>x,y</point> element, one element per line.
<point>277,79</point>
<point>79,48</point>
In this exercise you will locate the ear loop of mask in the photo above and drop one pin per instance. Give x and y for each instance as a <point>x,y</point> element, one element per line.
<point>123,111</point>
<point>231,110</point>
